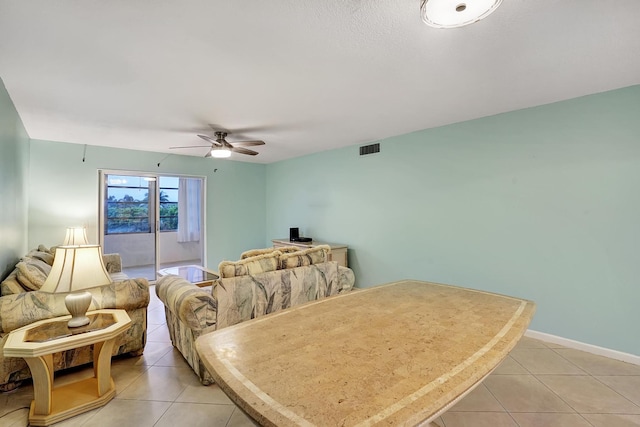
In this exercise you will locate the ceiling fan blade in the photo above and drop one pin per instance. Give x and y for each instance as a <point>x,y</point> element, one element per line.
<point>244,151</point>
<point>218,141</point>
<point>247,143</point>
<point>218,128</point>
<point>209,140</point>
<point>208,154</point>
<point>189,146</point>
<point>241,130</point>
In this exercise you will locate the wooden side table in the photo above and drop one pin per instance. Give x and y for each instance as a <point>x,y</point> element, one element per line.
<point>37,343</point>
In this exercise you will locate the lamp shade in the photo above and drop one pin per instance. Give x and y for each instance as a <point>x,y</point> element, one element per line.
<point>75,236</point>
<point>75,268</point>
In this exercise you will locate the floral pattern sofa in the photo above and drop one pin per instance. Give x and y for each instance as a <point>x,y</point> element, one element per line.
<point>262,282</point>
<point>21,303</point>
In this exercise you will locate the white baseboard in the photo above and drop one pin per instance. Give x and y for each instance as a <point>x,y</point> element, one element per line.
<point>589,348</point>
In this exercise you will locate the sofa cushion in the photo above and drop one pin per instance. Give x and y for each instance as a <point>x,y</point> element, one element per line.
<point>315,255</point>
<point>43,248</point>
<point>10,285</point>
<point>112,262</point>
<point>243,298</point>
<point>43,255</point>
<point>118,277</point>
<point>254,265</point>
<point>256,252</point>
<point>32,272</point>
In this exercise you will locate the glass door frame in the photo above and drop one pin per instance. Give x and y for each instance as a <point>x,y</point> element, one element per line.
<point>102,175</point>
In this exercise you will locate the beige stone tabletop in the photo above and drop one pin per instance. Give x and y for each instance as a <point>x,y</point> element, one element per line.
<point>396,354</point>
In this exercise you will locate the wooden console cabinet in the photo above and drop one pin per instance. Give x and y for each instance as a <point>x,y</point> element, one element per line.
<point>338,251</point>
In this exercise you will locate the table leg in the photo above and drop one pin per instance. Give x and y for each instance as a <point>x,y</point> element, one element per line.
<point>102,365</point>
<point>42,374</point>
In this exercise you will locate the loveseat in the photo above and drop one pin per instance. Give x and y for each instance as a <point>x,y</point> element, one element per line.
<point>21,303</point>
<point>263,281</point>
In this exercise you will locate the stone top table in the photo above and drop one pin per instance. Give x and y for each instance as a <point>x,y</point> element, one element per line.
<point>396,354</point>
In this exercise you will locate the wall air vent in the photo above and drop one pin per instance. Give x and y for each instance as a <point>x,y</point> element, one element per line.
<point>370,149</point>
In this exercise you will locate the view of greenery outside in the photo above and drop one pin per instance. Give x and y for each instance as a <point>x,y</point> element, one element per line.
<point>130,215</point>
<point>168,213</point>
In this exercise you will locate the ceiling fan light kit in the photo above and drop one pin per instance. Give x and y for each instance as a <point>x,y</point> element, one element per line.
<point>221,149</point>
<point>456,13</point>
<point>220,153</point>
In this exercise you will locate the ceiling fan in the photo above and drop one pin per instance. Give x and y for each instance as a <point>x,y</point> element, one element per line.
<point>221,148</point>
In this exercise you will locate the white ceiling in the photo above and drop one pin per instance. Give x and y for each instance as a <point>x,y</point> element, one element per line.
<point>304,76</point>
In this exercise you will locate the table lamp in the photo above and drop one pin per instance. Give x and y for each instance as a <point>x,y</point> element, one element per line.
<point>77,268</point>
<point>75,236</point>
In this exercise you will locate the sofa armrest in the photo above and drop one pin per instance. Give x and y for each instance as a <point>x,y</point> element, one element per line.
<point>193,306</point>
<point>28,307</point>
<point>112,262</point>
<point>346,279</point>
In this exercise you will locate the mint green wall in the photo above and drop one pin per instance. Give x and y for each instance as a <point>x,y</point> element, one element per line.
<point>14,168</point>
<point>542,203</point>
<point>64,191</point>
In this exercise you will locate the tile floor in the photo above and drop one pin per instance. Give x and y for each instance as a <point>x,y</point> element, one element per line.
<point>539,384</point>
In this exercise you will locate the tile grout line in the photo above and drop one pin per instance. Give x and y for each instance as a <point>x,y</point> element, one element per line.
<point>498,400</point>
<point>596,379</point>
<point>543,384</point>
<point>163,414</point>
<point>231,416</point>
<point>560,397</point>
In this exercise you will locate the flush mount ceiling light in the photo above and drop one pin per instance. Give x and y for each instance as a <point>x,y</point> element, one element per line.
<point>456,13</point>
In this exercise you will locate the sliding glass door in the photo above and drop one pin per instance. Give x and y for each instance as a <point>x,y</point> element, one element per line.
<point>153,221</point>
<point>181,237</point>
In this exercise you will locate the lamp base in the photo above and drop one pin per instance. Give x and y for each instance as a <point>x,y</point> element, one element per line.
<point>77,304</point>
